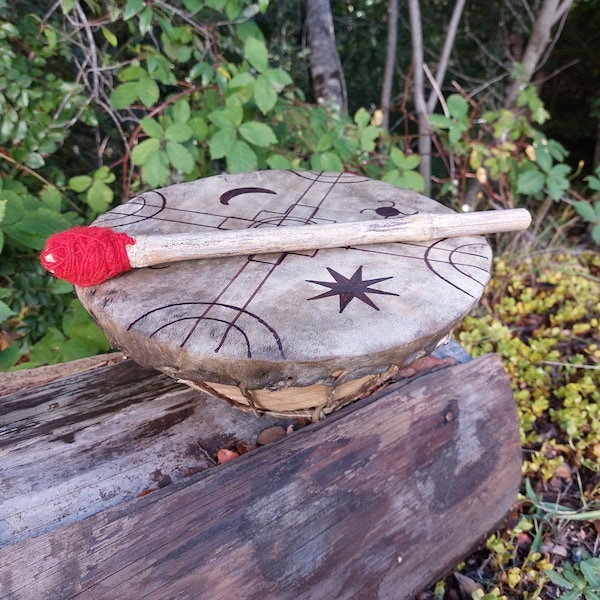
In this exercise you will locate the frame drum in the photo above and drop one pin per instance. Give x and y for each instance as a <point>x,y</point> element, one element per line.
<point>294,333</point>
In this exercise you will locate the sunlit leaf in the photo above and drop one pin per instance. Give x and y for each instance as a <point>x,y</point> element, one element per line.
<point>110,37</point>
<point>155,169</point>
<point>265,95</point>
<point>255,51</point>
<point>241,158</point>
<point>140,153</point>
<point>221,143</point>
<point>259,134</point>
<point>152,127</point>
<point>99,197</point>
<point>178,132</point>
<point>180,157</point>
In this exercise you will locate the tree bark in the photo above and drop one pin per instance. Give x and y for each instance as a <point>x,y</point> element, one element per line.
<point>550,13</point>
<point>416,34</point>
<point>390,63</point>
<point>326,67</point>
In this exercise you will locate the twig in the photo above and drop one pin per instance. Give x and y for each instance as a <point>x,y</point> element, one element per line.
<point>555,363</point>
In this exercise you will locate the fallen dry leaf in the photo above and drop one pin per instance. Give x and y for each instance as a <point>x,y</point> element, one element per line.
<point>224,455</point>
<point>270,434</point>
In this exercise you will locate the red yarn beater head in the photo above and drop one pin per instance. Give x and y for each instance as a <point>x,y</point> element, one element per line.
<point>87,255</point>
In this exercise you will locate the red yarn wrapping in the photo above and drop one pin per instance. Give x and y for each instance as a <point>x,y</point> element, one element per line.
<point>87,256</point>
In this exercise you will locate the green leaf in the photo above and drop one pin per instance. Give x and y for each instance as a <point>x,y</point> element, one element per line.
<point>124,95</point>
<point>327,161</point>
<point>77,323</point>
<point>152,127</point>
<point>14,208</point>
<point>3,204</point>
<point>412,181</point>
<point>182,111</point>
<point>110,37</point>
<point>155,170</point>
<point>178,132</point>
<point>80,183</point>
<point>5,311</point>
<point>255,51</point>
<point>265,95</point>
<point>556,182</point>
<point>531,182</point>
<point>368,138</point>
<point>439,121</point>
<point>140,153</point>
<point>242,80</point>
<point>591,573</point>
<point>9,356</point>
<point>104,174</point>
<point>558,579</point>
<point>259,134</point>
<point>543,157</point>
<point>199,128</point>
<point>99,197</point>
<point>593,182</point>
<point>34,229</point>
<point>278,79</point>
<point>458,107</point>
<point>362,117</point>
<point>221,143</point>
<point>132,8</point>
<point>241,158</point>
<point>585,210</point>
<point>233,8</point>
<point>203,70</point>
<point>148,91</point>
<point>324,143</point>
<point>193,5</point>
<point>48,350</point>
<point>34,160</point>
<point>232,114</point>
<point>278,162</point>
<point>146,20</point>
<point>132,73</point>
<point>50,196</point>
<point>180,157</point>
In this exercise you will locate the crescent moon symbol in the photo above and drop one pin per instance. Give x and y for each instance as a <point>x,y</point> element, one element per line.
<point>227,196</point>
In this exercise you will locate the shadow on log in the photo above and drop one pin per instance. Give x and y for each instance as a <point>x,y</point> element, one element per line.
<point>377,501</point>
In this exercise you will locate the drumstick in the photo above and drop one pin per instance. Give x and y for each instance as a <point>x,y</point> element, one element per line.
<point>90,255</point>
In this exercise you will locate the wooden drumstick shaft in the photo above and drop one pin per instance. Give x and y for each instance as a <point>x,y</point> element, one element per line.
<point>90,255</point>
<point>150,250</point>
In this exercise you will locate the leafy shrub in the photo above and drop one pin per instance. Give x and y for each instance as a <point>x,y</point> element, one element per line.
<point>501,159</point>
<point>102,101</point>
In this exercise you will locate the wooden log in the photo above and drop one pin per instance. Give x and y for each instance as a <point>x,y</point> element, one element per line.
<point>376,502</point>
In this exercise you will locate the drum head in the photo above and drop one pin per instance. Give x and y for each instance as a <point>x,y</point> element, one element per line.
<point>290,319</point>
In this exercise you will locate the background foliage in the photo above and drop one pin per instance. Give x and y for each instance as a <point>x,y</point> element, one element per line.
<point>102,100</point>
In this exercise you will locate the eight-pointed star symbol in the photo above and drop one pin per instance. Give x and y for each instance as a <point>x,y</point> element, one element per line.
<point>348,289</point>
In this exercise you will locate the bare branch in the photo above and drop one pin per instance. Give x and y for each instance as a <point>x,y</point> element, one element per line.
<point>390,61</point>
<point>446,52</point>
<point>416,33</point>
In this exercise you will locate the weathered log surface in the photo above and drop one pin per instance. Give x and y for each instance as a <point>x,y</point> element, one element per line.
<point>375,502</point>
<point>83,443</point>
